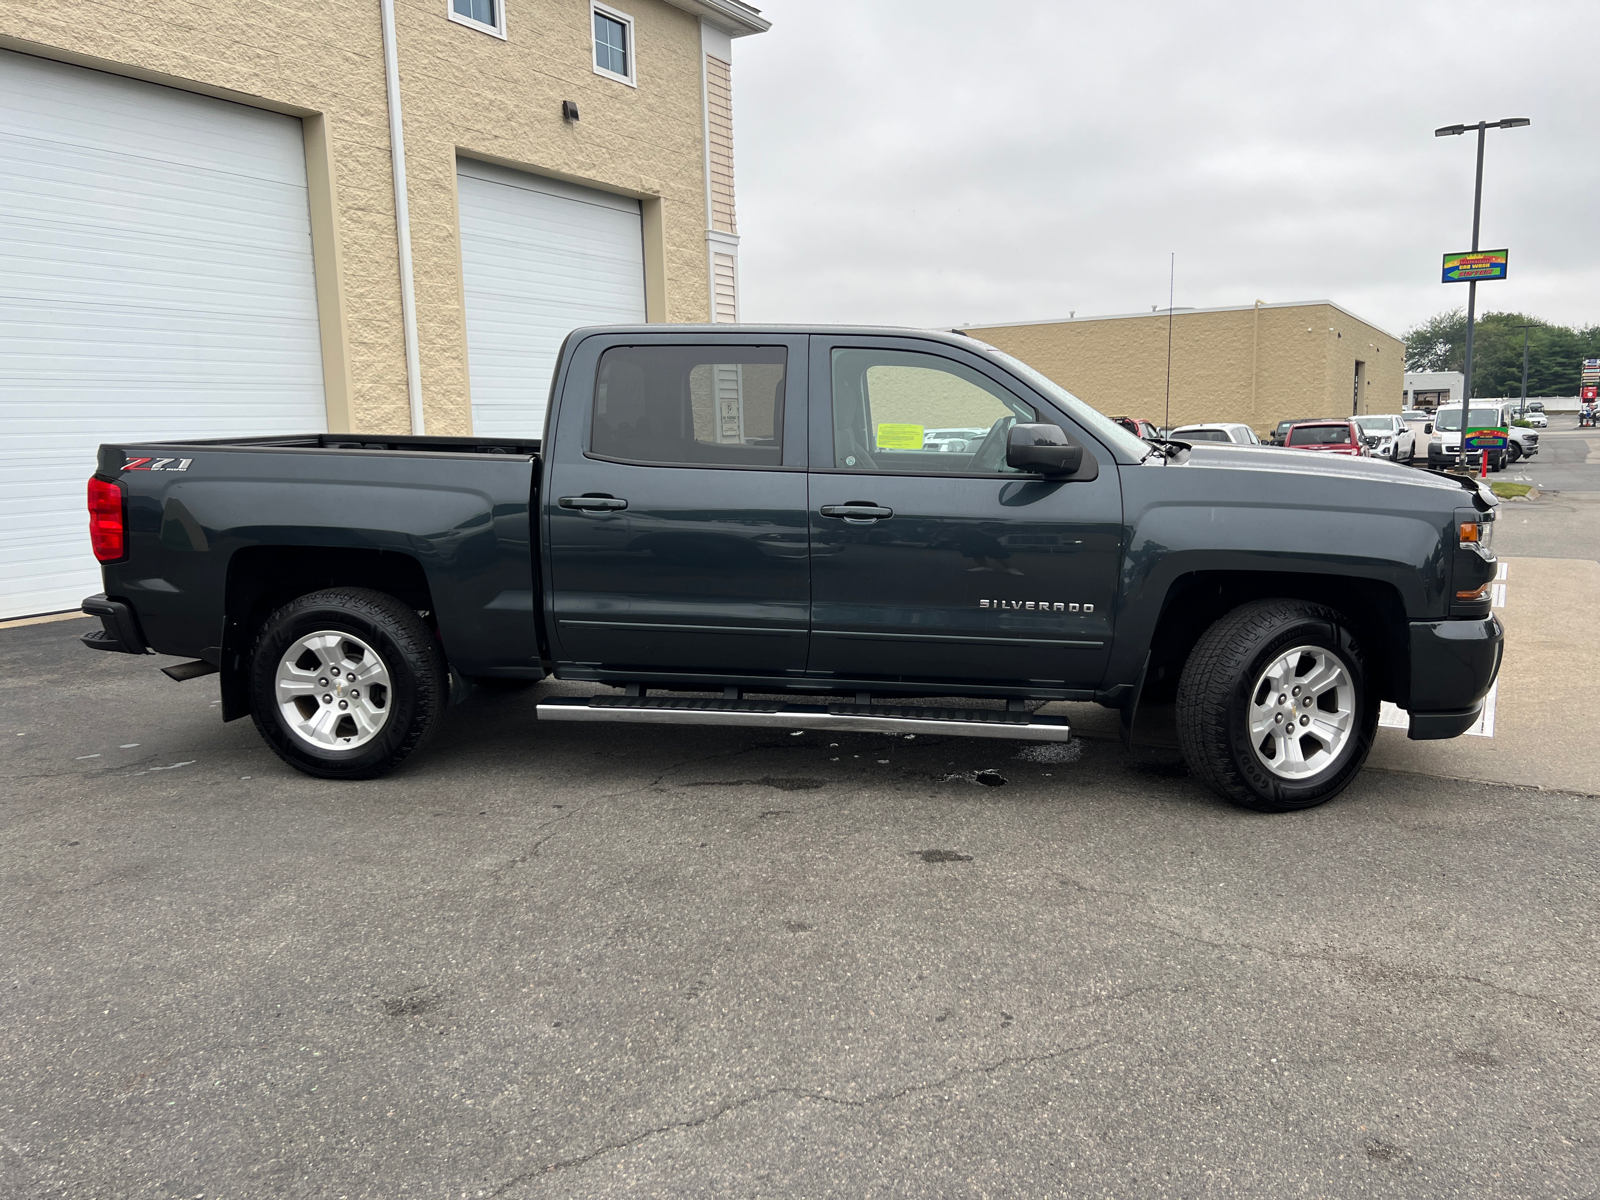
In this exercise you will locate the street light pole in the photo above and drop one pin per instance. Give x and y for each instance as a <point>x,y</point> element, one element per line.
<point>1522,405</point>
<point>1483,128</point>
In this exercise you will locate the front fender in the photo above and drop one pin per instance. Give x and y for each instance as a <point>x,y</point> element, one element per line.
<point>1266,521</point>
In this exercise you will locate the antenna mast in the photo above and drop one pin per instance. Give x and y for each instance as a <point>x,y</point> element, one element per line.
<point>1172,278</point>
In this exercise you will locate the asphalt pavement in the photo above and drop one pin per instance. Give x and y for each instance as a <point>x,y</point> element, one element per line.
<point>1565,521</point>
<point>569,960</point>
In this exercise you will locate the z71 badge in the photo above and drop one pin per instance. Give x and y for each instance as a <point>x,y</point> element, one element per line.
<point>1035,606</point>
<point>157,464</point>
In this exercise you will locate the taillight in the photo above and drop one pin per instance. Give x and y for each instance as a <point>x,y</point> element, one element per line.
<point>108,531</point>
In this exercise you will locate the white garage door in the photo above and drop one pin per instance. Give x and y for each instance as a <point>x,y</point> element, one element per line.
<point>155,281</point>
<point>540,258</point>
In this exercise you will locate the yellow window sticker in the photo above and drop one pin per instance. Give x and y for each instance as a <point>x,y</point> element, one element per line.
<point>899,437</point>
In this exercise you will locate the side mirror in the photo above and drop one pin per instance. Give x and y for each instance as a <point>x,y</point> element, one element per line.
<point>1043,449</point>
<point>1428,428</point>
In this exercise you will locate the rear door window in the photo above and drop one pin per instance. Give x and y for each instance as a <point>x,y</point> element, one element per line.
<point>707,406</point>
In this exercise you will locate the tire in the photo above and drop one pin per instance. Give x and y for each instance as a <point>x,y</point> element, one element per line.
<point>314,657</point>
<point>1514,452</point>
<point>1222,680</point>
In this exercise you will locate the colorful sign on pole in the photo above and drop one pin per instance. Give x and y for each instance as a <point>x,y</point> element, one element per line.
<point>1486,437</point>
<point>1480,265</point>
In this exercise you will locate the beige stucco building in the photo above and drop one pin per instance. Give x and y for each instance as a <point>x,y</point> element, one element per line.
<point>1257,364</point>
<point>657,134</point>
<point>267,217</point>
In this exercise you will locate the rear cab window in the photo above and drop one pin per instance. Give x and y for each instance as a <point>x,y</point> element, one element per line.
<point>708,406</point>
<point>1320,435</point>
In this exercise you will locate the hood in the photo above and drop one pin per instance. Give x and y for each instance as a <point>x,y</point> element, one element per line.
<point>1358,471</point>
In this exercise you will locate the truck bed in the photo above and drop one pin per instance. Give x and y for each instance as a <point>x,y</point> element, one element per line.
<point>222,530</point>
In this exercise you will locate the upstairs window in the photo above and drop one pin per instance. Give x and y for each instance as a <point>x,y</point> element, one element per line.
<point>613,44</point>
<point>486,16</point>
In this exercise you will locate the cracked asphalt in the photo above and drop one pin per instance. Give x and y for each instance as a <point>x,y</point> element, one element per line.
<point>569,960</point>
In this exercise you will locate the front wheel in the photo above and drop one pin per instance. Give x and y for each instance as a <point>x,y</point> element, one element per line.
<point>1274,710</point>
<point>346,683</point>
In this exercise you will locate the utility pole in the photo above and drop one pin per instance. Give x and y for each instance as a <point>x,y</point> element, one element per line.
<point>1522,405</point>
<point>1483,128</point>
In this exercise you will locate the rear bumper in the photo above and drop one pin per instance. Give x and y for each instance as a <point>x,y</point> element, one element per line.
<point>119,627</point>
<point>1453,666</point>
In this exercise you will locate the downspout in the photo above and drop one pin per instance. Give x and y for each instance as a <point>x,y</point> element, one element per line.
<point>402,215</point>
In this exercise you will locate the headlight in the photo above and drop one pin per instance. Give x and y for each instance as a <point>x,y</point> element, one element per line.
<point>1478,535</point>
<point>1474,569</point>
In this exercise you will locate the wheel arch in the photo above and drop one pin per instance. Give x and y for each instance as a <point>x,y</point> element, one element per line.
<point>1374,609</point>
<point>262,578</point>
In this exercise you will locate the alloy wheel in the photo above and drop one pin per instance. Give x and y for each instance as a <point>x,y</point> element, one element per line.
<point>1302,712</point>
<point>333,690</point>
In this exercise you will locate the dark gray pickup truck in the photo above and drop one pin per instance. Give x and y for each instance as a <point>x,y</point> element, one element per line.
<point>808,528</point>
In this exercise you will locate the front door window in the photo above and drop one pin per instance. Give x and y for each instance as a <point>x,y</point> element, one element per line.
<point>899,411</point>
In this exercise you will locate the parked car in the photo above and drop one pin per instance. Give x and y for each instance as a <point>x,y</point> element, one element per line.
<point>1329,437</point>
<point>1445,449</point>
<point>1536,406</point>
<point>1536,418</point>
<point>810,566</point>
<point>1138,426</point>
<point>1225,431</point>
<point>1277,436</point>
<point>1396,440</point>
<point>1523,443</point>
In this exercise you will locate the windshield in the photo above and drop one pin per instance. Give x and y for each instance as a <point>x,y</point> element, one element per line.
<point>1376,424</point>
<point>1320,435</point>
<point>1449,420</point>
<point>1107,430</point>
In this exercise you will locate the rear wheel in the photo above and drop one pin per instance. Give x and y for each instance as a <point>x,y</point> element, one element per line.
<point>1274,711</point>
<point>346,683</point>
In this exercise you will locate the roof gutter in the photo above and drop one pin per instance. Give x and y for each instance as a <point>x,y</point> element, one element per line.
<point>730,16</point>
<point>402,215</point>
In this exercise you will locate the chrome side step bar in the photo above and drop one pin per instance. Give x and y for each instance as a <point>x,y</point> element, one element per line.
<point>849,718</point>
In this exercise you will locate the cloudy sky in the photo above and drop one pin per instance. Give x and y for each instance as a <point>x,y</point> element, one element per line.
<point>934,162</point>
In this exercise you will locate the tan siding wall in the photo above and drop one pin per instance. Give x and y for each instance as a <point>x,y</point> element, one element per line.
<point>1304,363</point>
<point>463,92</point>
<point>719,121</point>
<point>727,308</point>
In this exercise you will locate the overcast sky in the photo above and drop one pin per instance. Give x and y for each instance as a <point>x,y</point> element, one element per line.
<point>934,162</point>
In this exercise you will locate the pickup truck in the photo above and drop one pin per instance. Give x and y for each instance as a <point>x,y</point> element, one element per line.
<point>754,526</point>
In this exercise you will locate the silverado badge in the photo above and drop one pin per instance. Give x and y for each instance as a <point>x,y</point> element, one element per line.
<point>1036,606</point>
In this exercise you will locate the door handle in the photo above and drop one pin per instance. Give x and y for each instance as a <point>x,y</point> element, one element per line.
<point>857,511</point>
<point>593,503</point>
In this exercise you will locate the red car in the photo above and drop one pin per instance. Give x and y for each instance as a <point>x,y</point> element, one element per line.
<point>1331,437</point>
<point>1138,426</point>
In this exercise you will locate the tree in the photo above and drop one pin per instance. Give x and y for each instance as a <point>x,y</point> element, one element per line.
<point>1437,344</point>
<point>1555,352</point>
